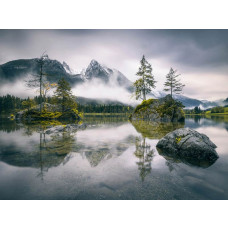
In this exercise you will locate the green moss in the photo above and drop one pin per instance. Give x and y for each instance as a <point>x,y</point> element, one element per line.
<point>178,139</point>
<point>45,115</point>
<point>164,108</point>
<point>144,105</point>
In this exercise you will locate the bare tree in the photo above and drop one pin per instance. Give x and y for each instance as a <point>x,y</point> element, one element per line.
<point>37,80</point>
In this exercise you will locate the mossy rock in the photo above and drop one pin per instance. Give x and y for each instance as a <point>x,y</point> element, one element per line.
<point>49,112</point>
<point>159,110</point>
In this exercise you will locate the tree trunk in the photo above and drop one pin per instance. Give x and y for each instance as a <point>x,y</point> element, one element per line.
<point>41,74</point>
<point>144,90</point>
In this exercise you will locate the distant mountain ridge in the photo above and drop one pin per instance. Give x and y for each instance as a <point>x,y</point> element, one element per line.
<point>18,69</point>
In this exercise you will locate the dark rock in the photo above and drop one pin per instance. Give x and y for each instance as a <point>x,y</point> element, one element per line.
<point>189,146</point>
<point>159,110</point>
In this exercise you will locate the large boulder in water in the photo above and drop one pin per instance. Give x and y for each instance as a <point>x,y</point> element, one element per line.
<point>165,109</point>
<point>189,146</point>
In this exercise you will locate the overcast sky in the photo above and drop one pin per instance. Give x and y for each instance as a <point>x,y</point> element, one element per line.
<point>201,56</point>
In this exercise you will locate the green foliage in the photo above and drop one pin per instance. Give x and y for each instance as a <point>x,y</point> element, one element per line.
<point>169,107</point>
<point>218,110</point>
<point>29,103</point>
<point>145,104</point>
<point>146,81</point>
<point>162,108</point>
<point>64,97</point>
<point>197,110</point>
<point>172,84</point>
<point>215,110</point>
<point>35,114</point>
<point>10,104</point>
<point>105,108</point>
<point>50,115</point>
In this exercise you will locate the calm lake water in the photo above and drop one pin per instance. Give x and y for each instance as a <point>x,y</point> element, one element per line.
<point>111,159</point>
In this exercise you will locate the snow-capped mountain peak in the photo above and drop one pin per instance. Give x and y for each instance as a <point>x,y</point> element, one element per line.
<point>95,70</point>
<point>67,68</point>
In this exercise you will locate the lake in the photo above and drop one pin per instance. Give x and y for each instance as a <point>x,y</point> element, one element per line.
<point>111,159</point>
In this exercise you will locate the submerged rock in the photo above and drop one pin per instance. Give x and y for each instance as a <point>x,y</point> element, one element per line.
<point>189,146</point>
<point>65,128</point>
<point>165,109</point>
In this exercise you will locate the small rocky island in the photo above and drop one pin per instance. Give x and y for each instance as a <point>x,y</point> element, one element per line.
<point>182,144</point>
<point>49,112</point>
<point>165,109</point>
<point>188,146</point>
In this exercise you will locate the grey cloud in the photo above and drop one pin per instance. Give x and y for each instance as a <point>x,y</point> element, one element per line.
<point>198,52</point>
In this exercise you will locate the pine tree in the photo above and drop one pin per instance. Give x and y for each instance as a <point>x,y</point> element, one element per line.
<point>172,84</point>
<point>146,81</point>
<point>64,95</point>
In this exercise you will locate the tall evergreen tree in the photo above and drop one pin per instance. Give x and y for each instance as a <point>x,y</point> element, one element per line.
<point>172,84</point>
<point>64,95</point>
<point>146,81</point>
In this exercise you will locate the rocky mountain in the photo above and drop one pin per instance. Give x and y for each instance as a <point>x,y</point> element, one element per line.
<point>112,76</point>
<point>19,69</point>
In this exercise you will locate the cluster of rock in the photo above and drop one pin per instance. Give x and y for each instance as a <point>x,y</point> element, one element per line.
<point>159,110</point>
<point>189,146</point>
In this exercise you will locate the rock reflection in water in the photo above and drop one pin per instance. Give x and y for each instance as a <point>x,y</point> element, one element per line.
<point>45,152</point>
<point>171,160</point>
<point>155,130</point>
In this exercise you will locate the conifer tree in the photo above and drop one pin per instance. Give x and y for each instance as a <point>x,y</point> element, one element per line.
<point>172,84</point>
<point>146,81</point>
<point>64,95</point>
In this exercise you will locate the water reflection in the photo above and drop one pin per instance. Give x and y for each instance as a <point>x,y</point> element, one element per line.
<point>108,160</point>
<point>154,130</point>
<point>145,155</point>
<point>171,159</point>
<point>31,147</point>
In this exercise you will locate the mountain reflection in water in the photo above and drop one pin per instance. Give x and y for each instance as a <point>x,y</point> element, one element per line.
<point>107,160</point>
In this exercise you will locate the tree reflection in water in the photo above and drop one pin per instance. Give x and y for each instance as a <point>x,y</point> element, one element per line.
<point>145,155</point>
<point>54,150</point>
